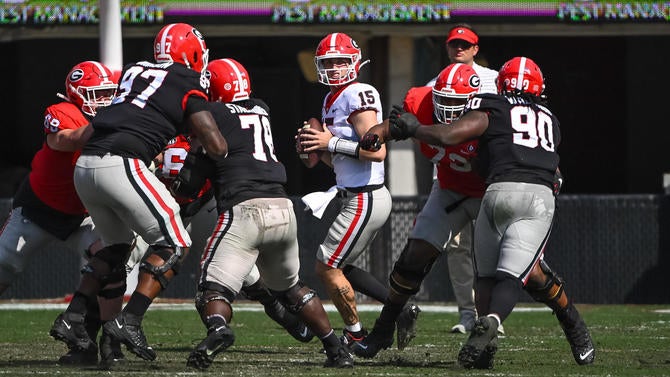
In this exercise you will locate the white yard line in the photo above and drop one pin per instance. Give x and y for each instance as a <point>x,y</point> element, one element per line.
<point>253,307</point>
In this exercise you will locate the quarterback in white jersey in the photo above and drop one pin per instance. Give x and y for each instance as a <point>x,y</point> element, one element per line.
<point>349,110</point>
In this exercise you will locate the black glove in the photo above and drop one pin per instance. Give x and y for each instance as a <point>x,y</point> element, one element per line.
<point>370,142</point>
<point>402,124</point>
<point>193,175</point>
<point>558,182</point>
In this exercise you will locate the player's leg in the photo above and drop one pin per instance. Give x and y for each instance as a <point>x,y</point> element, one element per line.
<point>20,238</point>
<point>227,260</point>
<point>279,263</point>
<point>545,286</point>
<point>352,231</point>
<point>255,289</point>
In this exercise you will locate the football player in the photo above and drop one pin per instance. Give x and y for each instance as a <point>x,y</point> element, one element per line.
<point>349,109</point>
<point>156,101</point>
<point>453,201</point>
<point>199,216</point>
<point>518,143</point>
<point>256,224</point>
<point>46,207</point>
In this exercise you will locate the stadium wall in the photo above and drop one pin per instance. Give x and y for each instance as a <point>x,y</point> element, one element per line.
<point>609,249</point>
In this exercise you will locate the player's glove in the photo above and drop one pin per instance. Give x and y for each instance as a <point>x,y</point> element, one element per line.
<point>370,142</point>
<point>558,182</point>
<point>402,124</point>
<point>193,175</point>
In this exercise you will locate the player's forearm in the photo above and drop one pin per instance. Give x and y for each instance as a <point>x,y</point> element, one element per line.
<point>70,140</point>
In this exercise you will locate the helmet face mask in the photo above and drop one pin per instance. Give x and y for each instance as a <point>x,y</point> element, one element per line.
<point>90,85</point>
<point>455,85</point>
<point>181,43</point>
<point>229,81</point>
<point>520,75</point>
<point>337,60</point>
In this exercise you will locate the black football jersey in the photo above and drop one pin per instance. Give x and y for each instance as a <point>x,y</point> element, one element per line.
<point>151,104</point>
<point>521,141</point>
<point>251,168</point>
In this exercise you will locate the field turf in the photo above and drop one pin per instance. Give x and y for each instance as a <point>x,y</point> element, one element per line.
<point>629,340</point>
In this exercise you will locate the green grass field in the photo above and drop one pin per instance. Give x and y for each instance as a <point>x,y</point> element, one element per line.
<point>630,341</point>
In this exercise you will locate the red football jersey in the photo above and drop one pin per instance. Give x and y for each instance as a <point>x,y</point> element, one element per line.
<point>174,156</point>
<point>454,163</point>
<point>52,171</point>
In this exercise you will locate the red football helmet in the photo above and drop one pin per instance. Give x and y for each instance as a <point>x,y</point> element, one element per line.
<point>454,86</point>
<point>520,74</point>
<point>181,43</point>
<point>338,46</point>
<point>229,81</point>
<point>89,85</point>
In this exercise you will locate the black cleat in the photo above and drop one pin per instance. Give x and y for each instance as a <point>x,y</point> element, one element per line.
<point>578,336</point>
<point>217,340</point>
<point>79,357</point>
<point>339,359</point>
<point>380,338</point>
<point>406,324</point>
<point>69,328</point>
<point>127,329</point>
<point>110,350</point>
<point>479,350</point>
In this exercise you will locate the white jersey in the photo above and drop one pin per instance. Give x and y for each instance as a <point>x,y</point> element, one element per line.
<point>349,171</point>
<point>487,78</point>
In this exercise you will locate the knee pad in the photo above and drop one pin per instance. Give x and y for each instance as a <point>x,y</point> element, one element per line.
<point>108,264</point>
<point>549,291</point>
<point>295,298</point>
<point>210,292</point>
<point>410,270</point>
<point>172,258</point>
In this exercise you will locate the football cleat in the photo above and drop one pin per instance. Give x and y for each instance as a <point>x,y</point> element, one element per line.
<point>339,359</point>
<point>466,323</point>
<point>406,323</point>
<point>580,341</point>
<point>127,329</point>
<point>79,357</point>
<point>380,338</point>
<point>69,328</point>
<point>479,350</point>
<point>217,340</point>
<point>110,350</point>
<point>350,340</point>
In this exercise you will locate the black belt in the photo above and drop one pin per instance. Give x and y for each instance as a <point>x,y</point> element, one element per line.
<point>344,193</point>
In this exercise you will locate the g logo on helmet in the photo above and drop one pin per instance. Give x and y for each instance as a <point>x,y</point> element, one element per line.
<point>76,75</point>
<point>197,34</point>
<point>353,43</point>
<point>474,81</point>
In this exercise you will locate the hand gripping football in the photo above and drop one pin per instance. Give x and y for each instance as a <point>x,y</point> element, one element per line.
<point>310,159</point>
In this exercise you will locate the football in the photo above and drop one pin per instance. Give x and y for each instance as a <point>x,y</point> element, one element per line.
<point>312,158</point>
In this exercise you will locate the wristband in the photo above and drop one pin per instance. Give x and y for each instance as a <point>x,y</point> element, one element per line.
<point>344,146</point>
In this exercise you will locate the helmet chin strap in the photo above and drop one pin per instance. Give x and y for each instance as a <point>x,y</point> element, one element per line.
<point>364,63</point>
<point>62,96</point>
